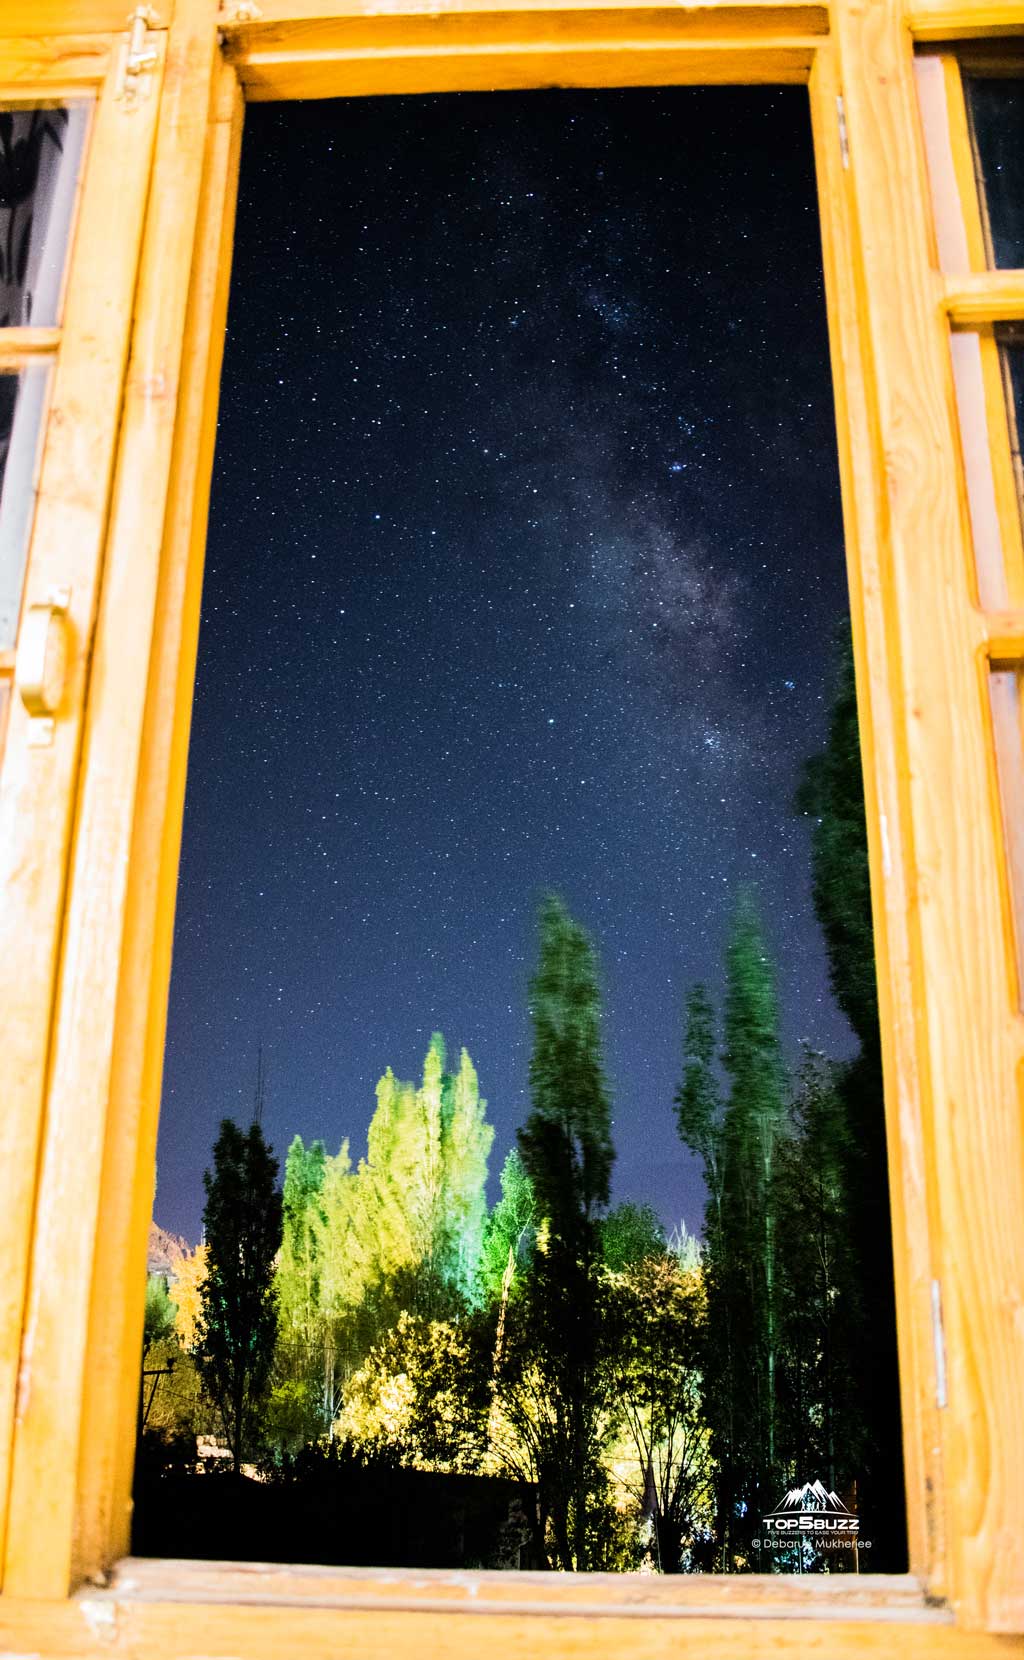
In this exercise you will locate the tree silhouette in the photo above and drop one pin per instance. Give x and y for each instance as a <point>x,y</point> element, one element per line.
<point>238,1319</point>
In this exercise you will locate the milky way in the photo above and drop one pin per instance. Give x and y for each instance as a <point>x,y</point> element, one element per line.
<point>525,567</point>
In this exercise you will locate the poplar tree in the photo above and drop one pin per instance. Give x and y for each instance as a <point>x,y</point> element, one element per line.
<point>754,1124</point>
<point>566,1149</point>
<point>302,1331</point>
<point>700,1116</point>
<point>511,1230</point>
<point>238,1318</point>
<point>466,1141</point>
<point>831,793</point>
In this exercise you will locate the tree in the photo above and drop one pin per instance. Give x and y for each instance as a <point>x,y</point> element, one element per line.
<point>466,1139</point>
<point>738,1141</point>
<point>630,1234</point>
<point>159,1317</point>
<point>511,1230</point>
<point>567,1152</point>
<point>190,1273</point>
<point>420,1395</point>
<point>831,793</point>
<point>821,1310</point>
<point>302,1393</point>
<point>658,1313</point>
<point>238,1320</point>
<point>753,1126</point>
<point>700,1116</point>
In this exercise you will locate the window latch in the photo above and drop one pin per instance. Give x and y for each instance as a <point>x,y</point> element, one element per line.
<point>40,668</point>
<point>138,58</point>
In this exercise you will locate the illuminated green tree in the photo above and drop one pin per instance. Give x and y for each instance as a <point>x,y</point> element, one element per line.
<point>511,1231</point>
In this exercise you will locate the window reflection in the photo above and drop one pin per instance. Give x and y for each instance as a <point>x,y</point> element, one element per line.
<point>40,155</point>
<point>22,401</point>
<point>1012,344</point>
<point>996,110</point>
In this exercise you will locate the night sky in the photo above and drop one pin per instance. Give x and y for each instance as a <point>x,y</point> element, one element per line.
<point>525,564</point>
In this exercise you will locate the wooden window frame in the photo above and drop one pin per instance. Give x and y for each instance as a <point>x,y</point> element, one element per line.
<point>953,1035</point>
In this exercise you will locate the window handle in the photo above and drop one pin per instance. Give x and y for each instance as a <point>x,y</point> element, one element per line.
<point>41,662</point>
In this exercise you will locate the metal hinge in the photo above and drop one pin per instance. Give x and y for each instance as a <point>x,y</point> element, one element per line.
<point>844,142</point>
<point>138,58</point>
<point>939,1341</point>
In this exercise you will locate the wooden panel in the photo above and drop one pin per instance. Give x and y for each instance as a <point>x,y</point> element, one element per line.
<point>77,1356</point>
<point>984,297</point>
<point>18,345</point>
<point>37,785</point>
<point>78,17</point>
<point>352,55</point>
<point>966,1028</point>
<point>132,1622</point>
<point>964,19</point>
<point>890,844</point>
<point>54,65</point>
<point>137,1069</point>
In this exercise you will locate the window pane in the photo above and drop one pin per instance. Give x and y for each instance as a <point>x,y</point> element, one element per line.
<point>997,119</point>
<point>1013,372</point>
<point>40,155</point>
<point>1004,695</point>
<point>525,574</point>
<point>22,399</point>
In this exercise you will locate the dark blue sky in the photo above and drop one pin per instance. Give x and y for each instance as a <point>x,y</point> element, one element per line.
<point>525,561</point>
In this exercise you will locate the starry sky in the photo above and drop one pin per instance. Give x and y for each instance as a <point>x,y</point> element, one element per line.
<point>524,568</point>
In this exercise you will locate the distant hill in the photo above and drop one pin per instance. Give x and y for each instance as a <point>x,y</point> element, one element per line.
<point>164,1251</point>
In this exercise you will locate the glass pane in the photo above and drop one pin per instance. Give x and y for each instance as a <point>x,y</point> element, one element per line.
<point>1012,343</point>
<point>525,574</point>
<point>996,108</point>
<point>40,156</point>
<point>1004,695</point>
<point>22,400</point>
<point>976,449</point>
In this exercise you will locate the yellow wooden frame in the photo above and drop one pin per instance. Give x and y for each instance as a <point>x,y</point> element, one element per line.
<point>953,1035</point>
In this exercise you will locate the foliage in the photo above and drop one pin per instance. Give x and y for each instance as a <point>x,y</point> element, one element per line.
<point>659,1312</point>
<point>832,795</point>
<point>566,1143</point>
<point>556,1357</point>
<point>159,1318</point>
<point>238,1319</point>
<point>630,1234</point>
<point>421,1395</point>
<point>510,1234</point>
<point>820,1303</point>
<point>189,1274</point>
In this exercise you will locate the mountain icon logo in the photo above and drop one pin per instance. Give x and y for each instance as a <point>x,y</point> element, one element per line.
<point>813,1495</point>
<point>811,1513</point>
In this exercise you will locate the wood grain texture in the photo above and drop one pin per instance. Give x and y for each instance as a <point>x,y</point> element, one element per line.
<point>137,1068</point>
<point>22,345</point>
<point>83,1345</point>
<point>51,66</point>
<point>48,18</point>
<point>963,19</point>
<point>352,54</point>
<point>973,298</point>
<point>889,828</point>
<point>966,1025</point>
<point>862,1596</point>
<point>190,1608</point>
<point>37,785</point>
<point>126,1622</point>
